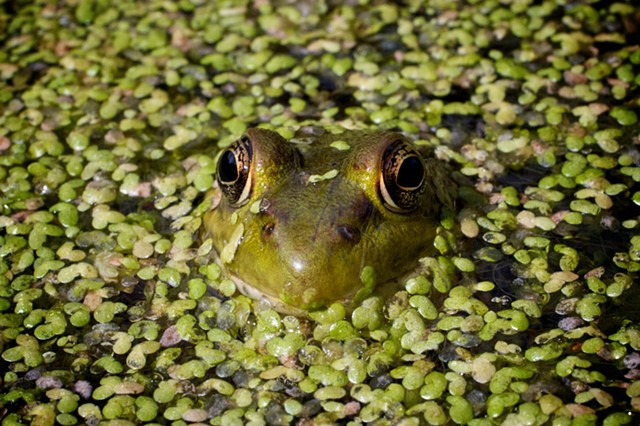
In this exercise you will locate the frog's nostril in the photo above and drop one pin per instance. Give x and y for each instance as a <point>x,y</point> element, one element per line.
<point>268,228</point>
<point>349,233</point>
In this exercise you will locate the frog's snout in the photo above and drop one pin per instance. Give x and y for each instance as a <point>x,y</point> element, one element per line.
<point>349,233</point>
<point>268,228</point>
<point>314,256</point>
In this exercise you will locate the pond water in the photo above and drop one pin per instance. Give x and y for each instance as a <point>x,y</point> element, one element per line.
<point>111,116</point>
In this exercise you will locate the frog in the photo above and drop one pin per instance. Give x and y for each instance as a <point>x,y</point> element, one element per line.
<point>324,217</point>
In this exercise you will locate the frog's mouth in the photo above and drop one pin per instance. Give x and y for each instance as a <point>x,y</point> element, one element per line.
<point>268,300</point>
<point>264,301</point>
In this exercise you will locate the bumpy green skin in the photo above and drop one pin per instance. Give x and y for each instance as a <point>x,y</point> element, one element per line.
<point>292,251</point>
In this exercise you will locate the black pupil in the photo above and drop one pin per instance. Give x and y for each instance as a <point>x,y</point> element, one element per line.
<point>411,173</point>
<point>228,167</point>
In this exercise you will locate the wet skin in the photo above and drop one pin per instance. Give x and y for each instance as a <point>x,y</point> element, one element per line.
<point>300,222</point>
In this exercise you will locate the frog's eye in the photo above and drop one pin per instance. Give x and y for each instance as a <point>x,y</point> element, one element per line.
<point>402,177</point>
<point>234,171</point>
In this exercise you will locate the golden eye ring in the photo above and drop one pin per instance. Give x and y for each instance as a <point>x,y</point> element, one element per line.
<point>402,177</point>
<point>234,171</point>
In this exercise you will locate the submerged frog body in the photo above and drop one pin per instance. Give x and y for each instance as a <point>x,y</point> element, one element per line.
<point>322,217</point>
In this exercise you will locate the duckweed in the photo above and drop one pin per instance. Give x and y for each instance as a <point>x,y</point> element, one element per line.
<point>114,310</point>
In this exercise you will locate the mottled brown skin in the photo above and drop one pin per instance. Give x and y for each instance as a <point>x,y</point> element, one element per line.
<point>309,241</point>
